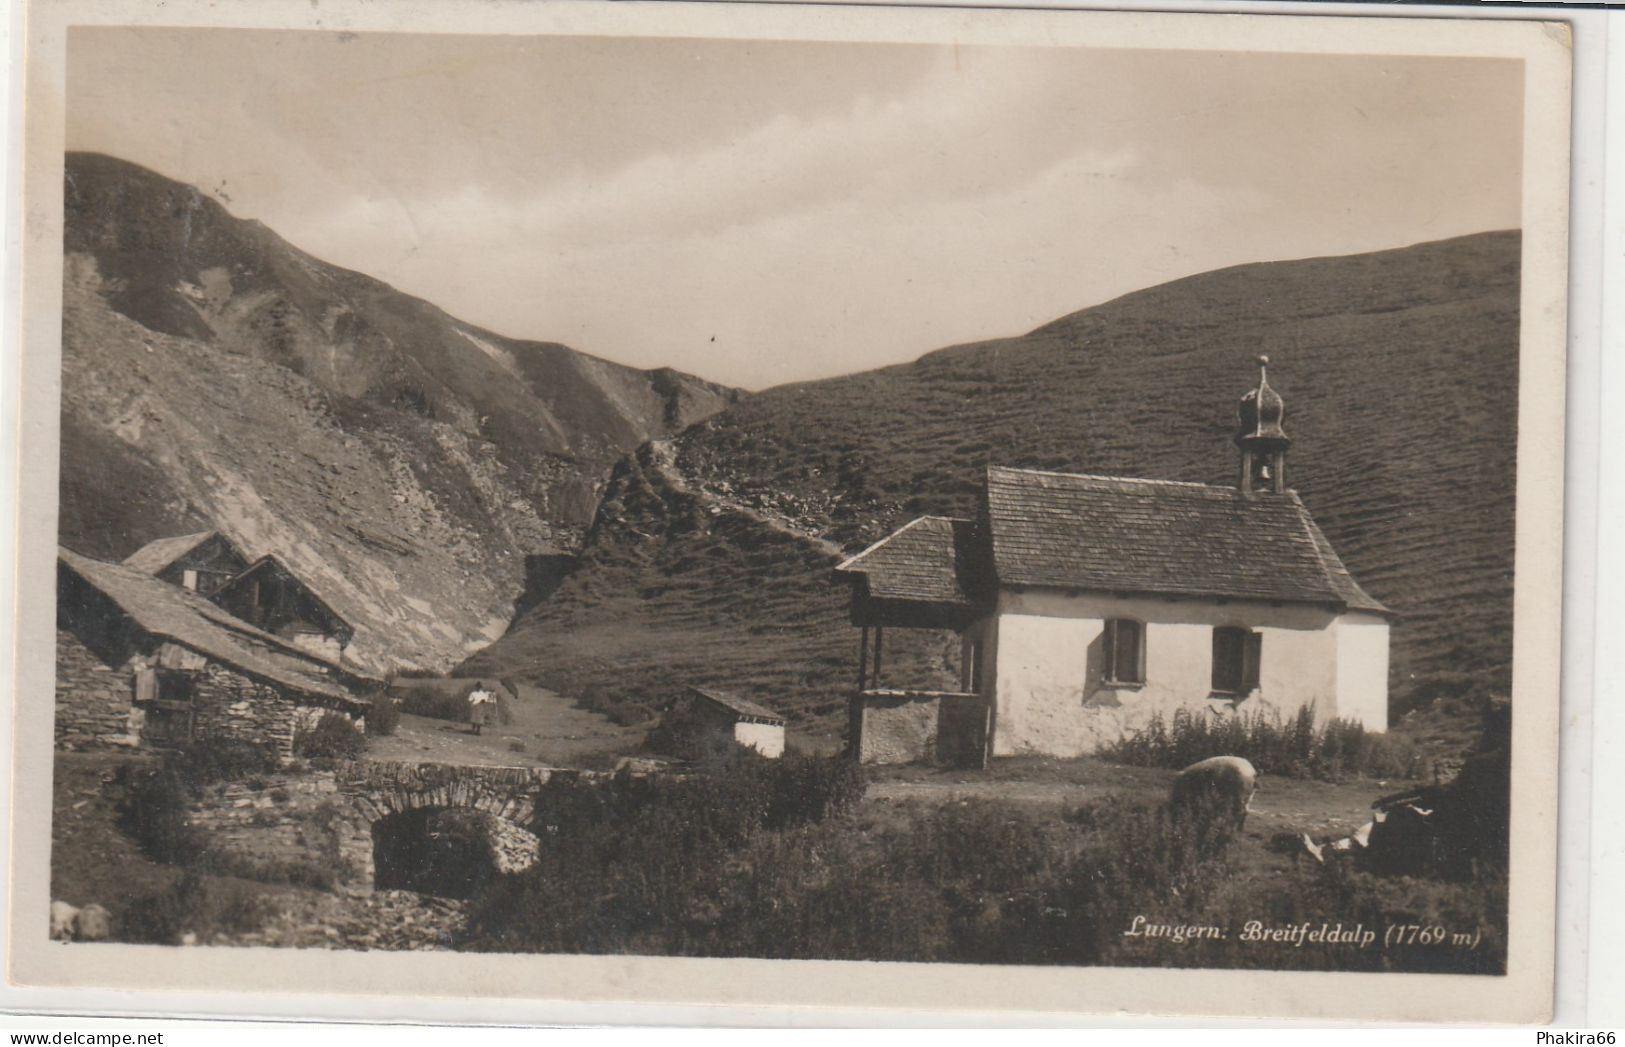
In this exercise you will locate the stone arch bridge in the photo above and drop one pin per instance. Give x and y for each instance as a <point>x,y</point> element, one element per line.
<point>342,813</point>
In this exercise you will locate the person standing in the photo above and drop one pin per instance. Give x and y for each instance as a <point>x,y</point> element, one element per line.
<point>480,703</point>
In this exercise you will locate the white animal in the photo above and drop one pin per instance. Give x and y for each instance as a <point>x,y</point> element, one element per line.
<point>1219,783</point>
<point>63,916</point>
<point>93,924</point>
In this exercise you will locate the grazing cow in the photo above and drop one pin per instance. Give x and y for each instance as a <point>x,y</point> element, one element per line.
<point>1220,783</point>
<point>63,917</point>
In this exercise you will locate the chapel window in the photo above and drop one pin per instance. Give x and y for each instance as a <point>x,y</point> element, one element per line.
<point>1125,651</point>
<point>1236,654</point>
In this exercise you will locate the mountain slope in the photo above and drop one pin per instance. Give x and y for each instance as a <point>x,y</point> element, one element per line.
<point>402,461</point>
<point>1399,371</point>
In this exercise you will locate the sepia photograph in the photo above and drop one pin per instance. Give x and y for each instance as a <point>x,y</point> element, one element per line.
<point>1024,490</point>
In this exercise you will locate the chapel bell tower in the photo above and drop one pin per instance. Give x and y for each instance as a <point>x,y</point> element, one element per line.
<point>1259,434</point>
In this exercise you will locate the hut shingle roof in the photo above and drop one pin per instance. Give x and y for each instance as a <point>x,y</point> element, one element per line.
<point>739,706</point>
<point>190,620</point>
<point>160,553</point>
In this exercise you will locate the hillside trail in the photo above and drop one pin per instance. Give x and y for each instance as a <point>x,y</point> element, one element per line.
<point>547,730</point>
<point>663,457</point>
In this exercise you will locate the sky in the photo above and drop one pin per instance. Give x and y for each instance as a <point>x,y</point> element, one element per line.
<point>760,212</point>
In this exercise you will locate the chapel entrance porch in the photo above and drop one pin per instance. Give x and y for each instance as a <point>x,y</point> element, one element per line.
<point>892,722</point>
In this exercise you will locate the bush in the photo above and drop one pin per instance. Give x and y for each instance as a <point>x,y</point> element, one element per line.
<point>968,882</point>
<point>627,714</point>
<point>209,760</point>
<point>622,860</point>
<point>334,737</point>
<point>194,904</point>
<point>1294,748</point>
<point>806,789</point>
<point>384,716</point>
<point>153,809</point>
<point>153,812</point>
<point>972,882</point>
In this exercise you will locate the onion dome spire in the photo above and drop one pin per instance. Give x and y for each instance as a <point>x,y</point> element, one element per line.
<point>1259,434</point>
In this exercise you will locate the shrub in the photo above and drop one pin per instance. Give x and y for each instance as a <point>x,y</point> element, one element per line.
<point>384,716</point>
<point>194,904</point>
<point>627,714</point>
<point>975,881</point>
<point>624,861</point>
<point>209,760</point>
<point>153,811</point>
<point>807,789</point>
<point>1294,748</point>
<point>972,882</point>
<point>333,737</point>
<point>153,808</point>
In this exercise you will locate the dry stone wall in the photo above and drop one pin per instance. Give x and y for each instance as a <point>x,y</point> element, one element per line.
<point>312,823</point>
<point>919,727</point>
<point>295,826</point>
<point>230,705</point>
<point>92,699</point>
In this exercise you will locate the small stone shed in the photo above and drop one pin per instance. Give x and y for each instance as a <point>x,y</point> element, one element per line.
<point>701,720</point>
<point>141,662</point>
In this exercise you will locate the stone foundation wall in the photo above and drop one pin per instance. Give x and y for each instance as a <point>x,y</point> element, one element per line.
<point>92,698</point>
<point>286,825</point>
<point>920,727</point>
<point>229,704</point>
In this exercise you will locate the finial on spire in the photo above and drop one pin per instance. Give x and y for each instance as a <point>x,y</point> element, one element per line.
<point>1259,434</point>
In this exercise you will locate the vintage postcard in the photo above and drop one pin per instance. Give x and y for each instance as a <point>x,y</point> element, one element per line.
<point>810,506</point>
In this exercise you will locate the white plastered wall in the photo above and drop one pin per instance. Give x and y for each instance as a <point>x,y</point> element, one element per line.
<point>1362,670</point>
<point>1050,695</point>
<point>765,738</point>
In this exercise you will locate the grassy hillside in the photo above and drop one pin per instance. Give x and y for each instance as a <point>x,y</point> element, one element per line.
<point>401,461</point>
<point>708,560</point>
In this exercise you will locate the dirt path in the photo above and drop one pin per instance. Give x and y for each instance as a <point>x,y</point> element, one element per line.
<point>547,730</point>
<point>663,458</point>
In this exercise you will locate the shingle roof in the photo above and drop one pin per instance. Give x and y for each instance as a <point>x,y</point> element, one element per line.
<point>1151,536</point>
<point>159,554</point>
<point>739,706</point>
<point>187,619</point>
<point>271,562</point>
<point>931,559</point>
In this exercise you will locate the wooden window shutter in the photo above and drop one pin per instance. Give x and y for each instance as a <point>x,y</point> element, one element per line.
<point>146,685</point>
<point>1228,659</point>
<point>1124,650</point>
<point>1252,653</point>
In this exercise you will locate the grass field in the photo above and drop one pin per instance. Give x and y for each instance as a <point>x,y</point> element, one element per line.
<point>1039,862</point>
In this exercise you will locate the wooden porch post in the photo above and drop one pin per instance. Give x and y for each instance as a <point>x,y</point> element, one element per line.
<point>880,635</point>
<point>863,661</point>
